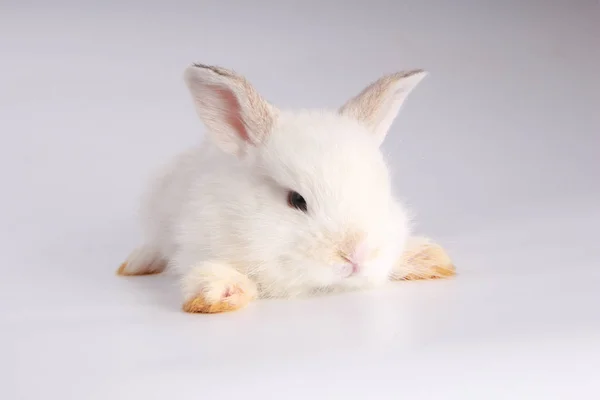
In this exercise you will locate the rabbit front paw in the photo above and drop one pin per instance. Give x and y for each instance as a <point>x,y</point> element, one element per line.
<point>423,259</point>
<point>215,287</point>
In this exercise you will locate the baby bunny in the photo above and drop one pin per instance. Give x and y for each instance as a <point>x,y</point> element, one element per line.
<point>279,203</point>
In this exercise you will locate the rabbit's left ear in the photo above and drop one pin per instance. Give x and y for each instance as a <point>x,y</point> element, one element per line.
<point>378,104</point>
<point>235,114</point>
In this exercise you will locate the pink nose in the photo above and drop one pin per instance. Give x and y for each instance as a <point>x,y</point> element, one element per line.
<point>359,254</point>
<point>357,258</point>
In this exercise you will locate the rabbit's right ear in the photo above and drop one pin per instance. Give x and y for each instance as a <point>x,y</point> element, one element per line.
<point>378,104</point>
<point>234,113</point>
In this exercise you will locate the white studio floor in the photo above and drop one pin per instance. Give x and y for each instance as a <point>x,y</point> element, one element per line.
<point>498,151</point>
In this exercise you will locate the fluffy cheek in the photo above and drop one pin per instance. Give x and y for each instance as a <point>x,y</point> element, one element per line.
<point>379,269</point>
<point>321,275</point>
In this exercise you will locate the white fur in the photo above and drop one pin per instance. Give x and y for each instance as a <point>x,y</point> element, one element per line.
<point>224,206</point>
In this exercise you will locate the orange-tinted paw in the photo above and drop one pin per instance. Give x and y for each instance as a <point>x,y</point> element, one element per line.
<point>423,259</point>
<point>233,298</point>
<point>215,288</point>
<point>150,268</point>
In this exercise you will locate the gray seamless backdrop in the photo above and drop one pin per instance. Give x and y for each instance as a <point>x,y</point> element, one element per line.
<point>497,151</point>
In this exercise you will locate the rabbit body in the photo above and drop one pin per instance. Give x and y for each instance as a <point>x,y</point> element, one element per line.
<point>276,203</point>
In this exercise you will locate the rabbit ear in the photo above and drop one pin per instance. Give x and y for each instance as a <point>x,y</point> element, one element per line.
<point>234,113</point>
<point>378,104</point>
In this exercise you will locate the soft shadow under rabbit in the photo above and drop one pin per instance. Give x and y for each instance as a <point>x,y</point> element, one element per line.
<point>279,203</point>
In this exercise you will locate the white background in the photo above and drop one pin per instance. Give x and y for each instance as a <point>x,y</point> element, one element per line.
<point>497,150</point>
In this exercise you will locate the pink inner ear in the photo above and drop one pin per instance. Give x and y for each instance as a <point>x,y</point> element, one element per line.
<point>233,112</point>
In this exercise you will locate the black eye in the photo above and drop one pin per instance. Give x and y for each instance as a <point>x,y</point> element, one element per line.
<point>296,201</point>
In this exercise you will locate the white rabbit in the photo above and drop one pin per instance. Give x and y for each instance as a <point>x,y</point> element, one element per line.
<point>280,203</point>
